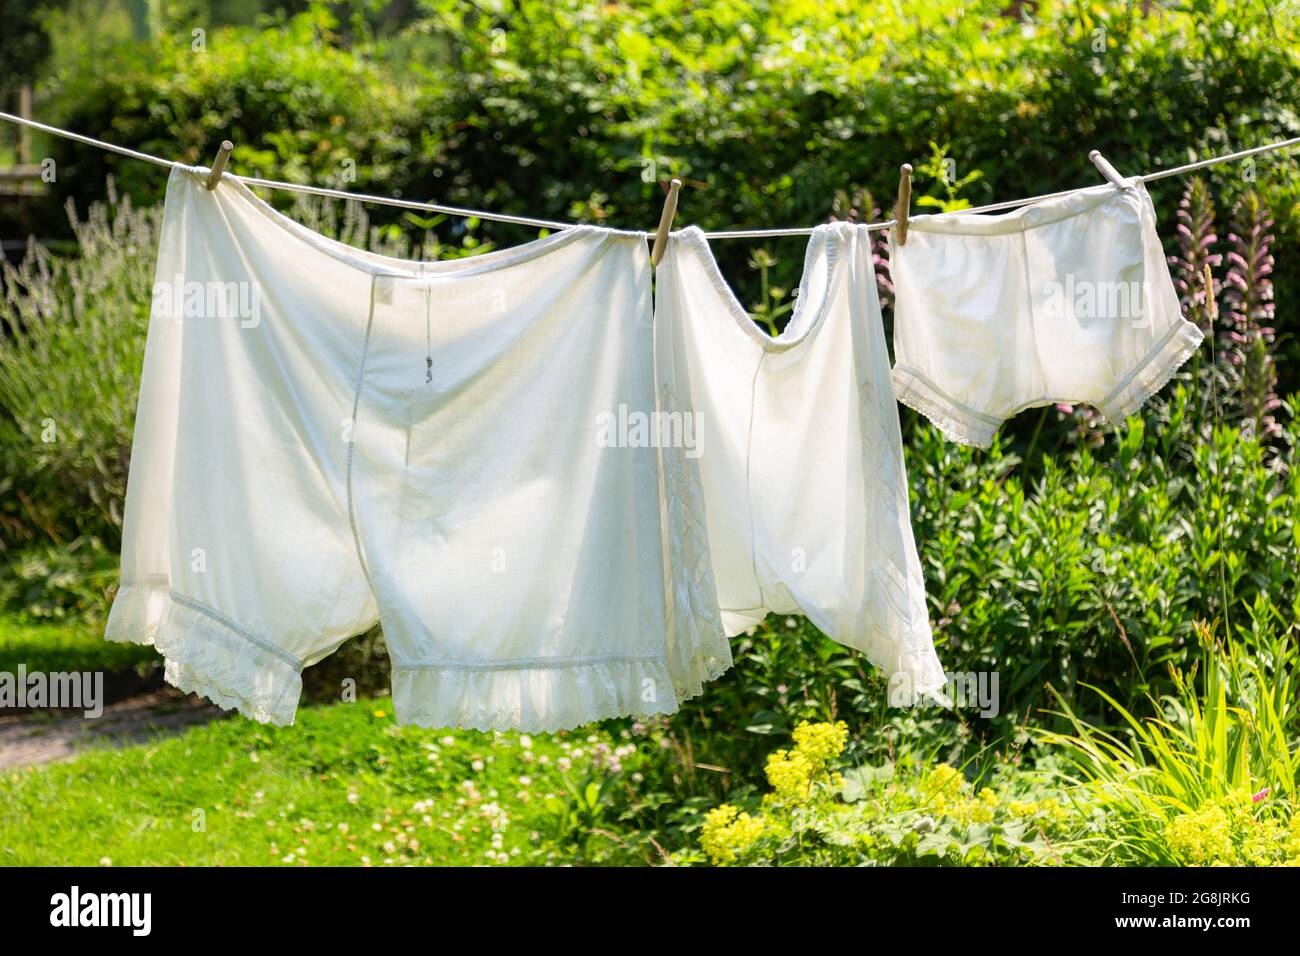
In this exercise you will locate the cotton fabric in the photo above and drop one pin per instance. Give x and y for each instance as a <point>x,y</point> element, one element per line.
<point>1065,301</point>
<point>799,452</point>
<point>417,444</point>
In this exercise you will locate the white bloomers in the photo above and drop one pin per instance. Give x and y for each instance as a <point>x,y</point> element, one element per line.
<point>328,438</point>
<point>799,452</point>
<point>1066,301</point>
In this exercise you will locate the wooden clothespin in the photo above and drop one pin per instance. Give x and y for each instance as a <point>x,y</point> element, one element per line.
<point>665,222</point>
<point>219,164</point>
<point>1110,172</point>
<point>904,203</point>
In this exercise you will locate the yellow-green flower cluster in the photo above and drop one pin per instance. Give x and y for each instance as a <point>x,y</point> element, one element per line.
<point>1271,843</point>
<point>1049,808</point>
<point>794,774</point>
<point>942,787</point>
<point>727,833</point>
<point>944,791</point>
<point>982,809</point>
<point>1227,832</point>
<point>1203,837</point>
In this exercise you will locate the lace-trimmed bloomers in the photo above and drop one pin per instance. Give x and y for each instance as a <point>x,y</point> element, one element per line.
<point>327,438</point>
<point>1066,301</point>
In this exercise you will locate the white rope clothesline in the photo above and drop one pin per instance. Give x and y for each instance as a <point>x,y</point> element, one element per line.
<point>551,224</point>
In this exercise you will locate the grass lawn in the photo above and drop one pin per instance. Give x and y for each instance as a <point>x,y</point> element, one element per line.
<point>72,646</point>
<point>345,785</point>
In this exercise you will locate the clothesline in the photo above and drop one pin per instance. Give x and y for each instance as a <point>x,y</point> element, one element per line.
<point>552,224</point>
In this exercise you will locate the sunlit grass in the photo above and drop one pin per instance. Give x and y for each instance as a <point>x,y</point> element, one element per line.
<point>344,786</point>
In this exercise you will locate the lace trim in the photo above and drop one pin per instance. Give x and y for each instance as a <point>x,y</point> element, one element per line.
<point>955,425</point>
<point>698,649</point>
<point>1154,372</point>
<point>204,656</point>
<point>896,635</point>
<point>138,610</point>
<point>532,700</point>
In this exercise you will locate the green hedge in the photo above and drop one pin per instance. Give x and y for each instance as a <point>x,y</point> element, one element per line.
<point>562,108</point>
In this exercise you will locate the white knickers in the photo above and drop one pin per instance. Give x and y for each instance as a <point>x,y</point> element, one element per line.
<point>1069,300</point>
<point>328,437</point>
<point>799,452</point>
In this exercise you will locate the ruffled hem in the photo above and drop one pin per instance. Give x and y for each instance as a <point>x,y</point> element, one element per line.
<point>1153,373</point>
<point>534,698</point>
<point>138,611</point>
<point>206,657</point>
<point>711,659</point>
<point>955,423</point>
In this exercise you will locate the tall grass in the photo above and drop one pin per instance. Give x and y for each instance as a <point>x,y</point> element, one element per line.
<point>1225,744</point>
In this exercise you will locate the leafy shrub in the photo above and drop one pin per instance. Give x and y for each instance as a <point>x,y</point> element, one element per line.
<point>69,581</point>
<point>1098,570</point>
<point>296,105</point>
<point>565,109</point>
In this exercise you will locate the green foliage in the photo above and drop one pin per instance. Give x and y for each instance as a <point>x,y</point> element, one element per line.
<point>1212,776</point>
<point>890,814</point>
<point>562,108</point>
<point>53,583</point>
<point>296,105</point>
<point>24,44</point>
<point>1096,569</point>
